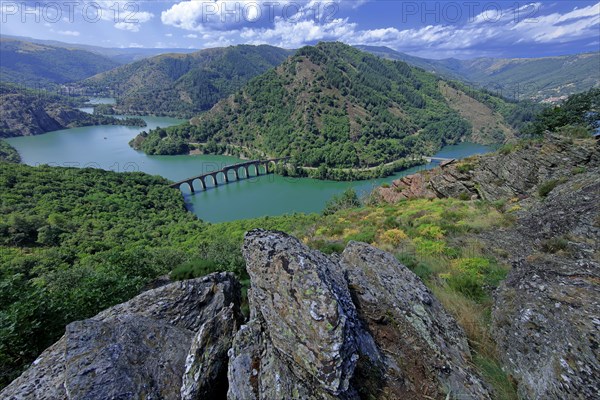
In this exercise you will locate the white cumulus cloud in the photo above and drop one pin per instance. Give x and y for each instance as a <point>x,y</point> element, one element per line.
<point>68,33</point>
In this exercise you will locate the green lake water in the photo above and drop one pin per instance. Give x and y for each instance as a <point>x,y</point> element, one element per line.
<point>107,147</point>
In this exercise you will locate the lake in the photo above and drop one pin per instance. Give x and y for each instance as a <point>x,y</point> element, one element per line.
<point>107,147</point>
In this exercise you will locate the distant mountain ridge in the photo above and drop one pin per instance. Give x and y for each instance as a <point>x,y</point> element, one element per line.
<point>185,84</point>
<point>120,55</point>
<point>37,65</point>
<point>540,79</point>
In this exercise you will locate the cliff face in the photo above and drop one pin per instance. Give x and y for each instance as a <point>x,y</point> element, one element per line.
<point>23,115</point>
<point>546,314</point>
<point>359,325</point>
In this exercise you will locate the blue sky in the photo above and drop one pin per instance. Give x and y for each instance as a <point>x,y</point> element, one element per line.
<point>433,29</point>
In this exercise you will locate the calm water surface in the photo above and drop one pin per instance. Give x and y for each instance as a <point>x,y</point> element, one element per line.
<point>107,147</point>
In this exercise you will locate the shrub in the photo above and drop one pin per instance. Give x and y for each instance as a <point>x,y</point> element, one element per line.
<point>394,236</point>
<point>464,168</point>
<point>327,247</point>
<point>464,196</point>
<point>471,276</point>
<point>507,148</point>
<point>545,188</point>
<point>555,244</point>
<point>193,269</point>
<point>348,199</point>
<point>430,231</point>
<point>391,222</point>
<point>421,269</point>
<point>367,236</point>
<point>467,284</point>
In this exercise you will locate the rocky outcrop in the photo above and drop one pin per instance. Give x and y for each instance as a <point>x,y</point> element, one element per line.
<point>359,326</point>
<point>508,174</point>
<point>546,316</point>
<point>141,348</point>
<point>355,326</point>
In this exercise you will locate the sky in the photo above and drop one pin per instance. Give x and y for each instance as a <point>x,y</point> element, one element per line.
<point>431,29</point>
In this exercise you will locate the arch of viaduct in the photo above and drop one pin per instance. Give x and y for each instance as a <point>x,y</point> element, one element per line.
<point>211,177</point>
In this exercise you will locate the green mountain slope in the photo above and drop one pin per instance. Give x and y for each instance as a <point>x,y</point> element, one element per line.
<point>539,79</point>
<point>336,106</point>
<point>535,78</point>
<point>37,65</point>
<point>185,84</point>
<point>121,55</point>
<point>25,112</point>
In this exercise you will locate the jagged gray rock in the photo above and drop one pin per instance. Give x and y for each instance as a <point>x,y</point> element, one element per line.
<point>124,358</point>
<point>303,300</point>
<point>499,176</point>
<point>546,317</point>
<point>206,364</point>
<point>136,349</point>
<point>311,336</point>
<point>425,351</point>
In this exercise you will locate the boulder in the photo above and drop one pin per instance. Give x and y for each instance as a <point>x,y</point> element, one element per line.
<point>302,300</point>
<point>138,349</point>
<point>425,352</point>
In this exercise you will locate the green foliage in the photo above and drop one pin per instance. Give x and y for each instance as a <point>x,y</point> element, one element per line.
<point>576,117</point>
<point>327,247</point>
<point>73,242</point>
<point>471,276</point>
<point>193,269</point>
<point>9,153</point>
<point>348,199</point>
<point>545,188</point>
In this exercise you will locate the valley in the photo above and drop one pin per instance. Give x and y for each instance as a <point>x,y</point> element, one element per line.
<point>425,232</point>
<point>26,112</point>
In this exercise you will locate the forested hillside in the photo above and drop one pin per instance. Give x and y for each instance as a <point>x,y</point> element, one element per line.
<point>8,153</point>
<point>25,112</point>
<point>334,106</point>
<point>42,66</point>
<point>73,242</point>
<point>184,84</point>
<point>536,79</point>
